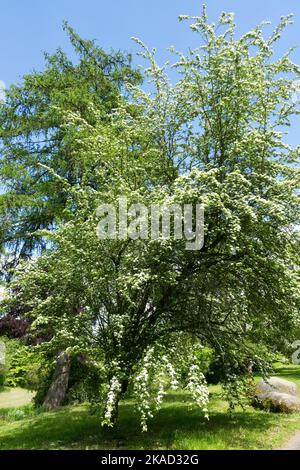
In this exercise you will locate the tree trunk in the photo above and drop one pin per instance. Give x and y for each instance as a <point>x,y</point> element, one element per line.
<point>58,388</point>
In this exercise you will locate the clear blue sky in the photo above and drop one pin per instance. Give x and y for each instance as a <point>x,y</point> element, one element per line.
<point>28,27</point>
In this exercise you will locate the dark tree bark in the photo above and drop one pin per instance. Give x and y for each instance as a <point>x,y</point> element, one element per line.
<point>58,388</point>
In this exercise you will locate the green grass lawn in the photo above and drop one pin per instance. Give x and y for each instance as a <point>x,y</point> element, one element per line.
<point>177,426</point>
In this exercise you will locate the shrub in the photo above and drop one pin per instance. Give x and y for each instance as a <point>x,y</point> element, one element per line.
<point>21,365</point>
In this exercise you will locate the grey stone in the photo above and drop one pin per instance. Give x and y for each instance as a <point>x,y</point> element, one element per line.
<point>277,394</point>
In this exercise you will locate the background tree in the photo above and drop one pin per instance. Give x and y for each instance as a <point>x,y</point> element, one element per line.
<point>37,141</point>
<point>34,132</point>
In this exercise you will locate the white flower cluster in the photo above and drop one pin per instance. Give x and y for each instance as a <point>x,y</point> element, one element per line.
<point>198,388</point>
<point>226,18</point>
<point>171,373</point>
<point>157,373</point>
<point>161,389</point>
<point>141,389</point>
<point>162,372</point>
<point>114,390</point>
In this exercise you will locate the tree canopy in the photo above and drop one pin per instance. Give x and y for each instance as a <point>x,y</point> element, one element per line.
<point>37,138</point>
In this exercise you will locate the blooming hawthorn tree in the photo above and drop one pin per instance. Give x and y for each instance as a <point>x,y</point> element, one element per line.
<point>143,308</point>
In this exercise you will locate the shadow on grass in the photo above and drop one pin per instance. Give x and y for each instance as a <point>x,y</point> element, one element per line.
<point>176,426</point>
<point>292,371</point>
